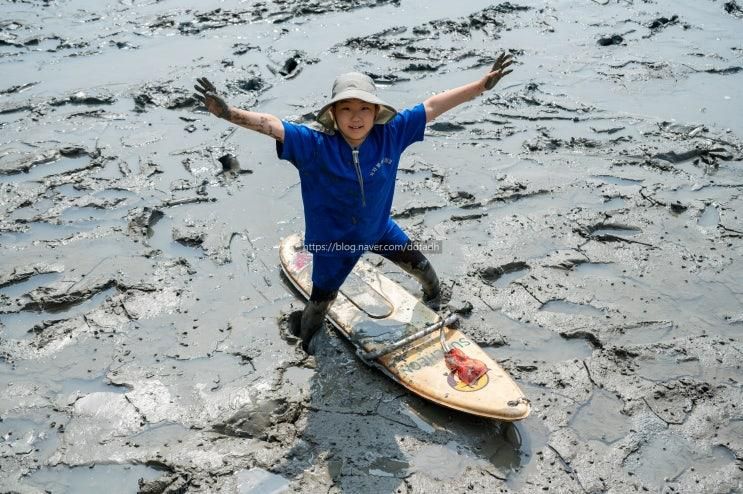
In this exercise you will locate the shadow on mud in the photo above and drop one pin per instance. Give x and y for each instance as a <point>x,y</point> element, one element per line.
<point>362,432</point>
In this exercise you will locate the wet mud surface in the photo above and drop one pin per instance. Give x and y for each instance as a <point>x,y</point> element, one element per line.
<point>589,209</point>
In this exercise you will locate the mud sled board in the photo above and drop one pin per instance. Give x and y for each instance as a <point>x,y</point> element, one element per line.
<point>384,322</point>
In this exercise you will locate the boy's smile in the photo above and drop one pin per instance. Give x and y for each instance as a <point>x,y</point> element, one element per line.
<point>355,119</point>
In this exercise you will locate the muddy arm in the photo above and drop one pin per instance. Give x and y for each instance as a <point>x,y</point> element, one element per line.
<point>259,122</point>
<point>443,102</point>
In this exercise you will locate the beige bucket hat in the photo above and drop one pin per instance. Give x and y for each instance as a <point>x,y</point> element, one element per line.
<point>355,85</point>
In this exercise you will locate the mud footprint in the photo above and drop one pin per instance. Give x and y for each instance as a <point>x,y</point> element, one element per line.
<point>611,232</point>
<point>502,276</point>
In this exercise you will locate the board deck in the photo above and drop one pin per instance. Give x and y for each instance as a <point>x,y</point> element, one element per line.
<point>373,311</point>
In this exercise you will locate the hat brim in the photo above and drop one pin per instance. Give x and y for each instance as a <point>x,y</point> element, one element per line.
<point>386,111</point>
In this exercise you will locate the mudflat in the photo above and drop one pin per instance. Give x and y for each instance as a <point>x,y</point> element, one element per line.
<point>588,211</point>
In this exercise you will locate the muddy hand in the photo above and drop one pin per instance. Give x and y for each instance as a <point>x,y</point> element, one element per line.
<point>498,70</point>
<point>208,96</point>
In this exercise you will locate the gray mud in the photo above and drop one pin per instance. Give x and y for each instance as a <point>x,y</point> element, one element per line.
<point>589,209</point>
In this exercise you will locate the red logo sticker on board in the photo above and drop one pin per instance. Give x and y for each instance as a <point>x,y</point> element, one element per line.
<point>467,373</point>
<point>302,259</point>
<point>460,385</point>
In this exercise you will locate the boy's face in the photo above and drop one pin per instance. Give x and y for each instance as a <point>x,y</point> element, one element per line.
<point>355,119</point>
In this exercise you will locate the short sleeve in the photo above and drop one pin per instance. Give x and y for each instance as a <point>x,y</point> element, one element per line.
<point>299,143</point>
<point>408,126</point>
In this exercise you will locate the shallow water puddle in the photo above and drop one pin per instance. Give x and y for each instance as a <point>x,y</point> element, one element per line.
<point>615,231</point>
<point>422,422</point>
<point>23,436</point>
<point>543,346</point>
<point>15,290</point>
<point>82,387</point>
<point>510,446</point>
<point>501,276</point>
<point>43,170</point>
<point>665,457</point>
<point>259,481</point>
<point>387,467</point>
<point>689,194</point>
<point>531,344</point>
<point>565,307</point>
<point>113,194</point>
<point>664,367</point>
<point>27,213</point>
<point>299,377</point>
<point>642,335</point>
<point>98,216</point>
<point>611,179</point>
<point>17,325</point>
<point>507,278</point>
<point>601,418</point>
<point>40,232</point>
<point>710,217</point>
<point>442,462</point>
<point>69,190</point>
<point>595,269</point>
<point>507,447</point>
<point>112,479</point>
<point>612,204</point>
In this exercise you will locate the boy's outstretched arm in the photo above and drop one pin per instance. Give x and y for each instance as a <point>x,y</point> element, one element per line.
<point>260,122</point>
<point>443,102</point>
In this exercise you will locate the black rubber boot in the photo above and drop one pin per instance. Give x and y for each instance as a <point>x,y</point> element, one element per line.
<point>312,320</point>
<point>426,276</point>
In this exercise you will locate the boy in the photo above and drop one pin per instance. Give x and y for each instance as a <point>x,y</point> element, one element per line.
<point>347,177</point>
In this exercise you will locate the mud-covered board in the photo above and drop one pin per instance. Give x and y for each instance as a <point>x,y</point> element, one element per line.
<point>373,311</point>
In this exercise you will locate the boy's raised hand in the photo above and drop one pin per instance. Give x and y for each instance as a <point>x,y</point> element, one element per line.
<point>498,70</point>
<point>208,96</point>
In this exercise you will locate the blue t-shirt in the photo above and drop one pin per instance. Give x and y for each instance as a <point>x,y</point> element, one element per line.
<point>339,218</point>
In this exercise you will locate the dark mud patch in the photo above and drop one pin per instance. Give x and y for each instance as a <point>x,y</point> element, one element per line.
<point>255,420</point>
<point>673,401</point>
<point>733,8</point>
<point>612,232</point>
<point>169,483</point>
<point>588,336</point>
<point>214,239</point>
<point>614,39</point>
<point>142,220</point>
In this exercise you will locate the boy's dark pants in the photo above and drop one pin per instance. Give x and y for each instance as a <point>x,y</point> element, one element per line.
<point>409,259</point>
